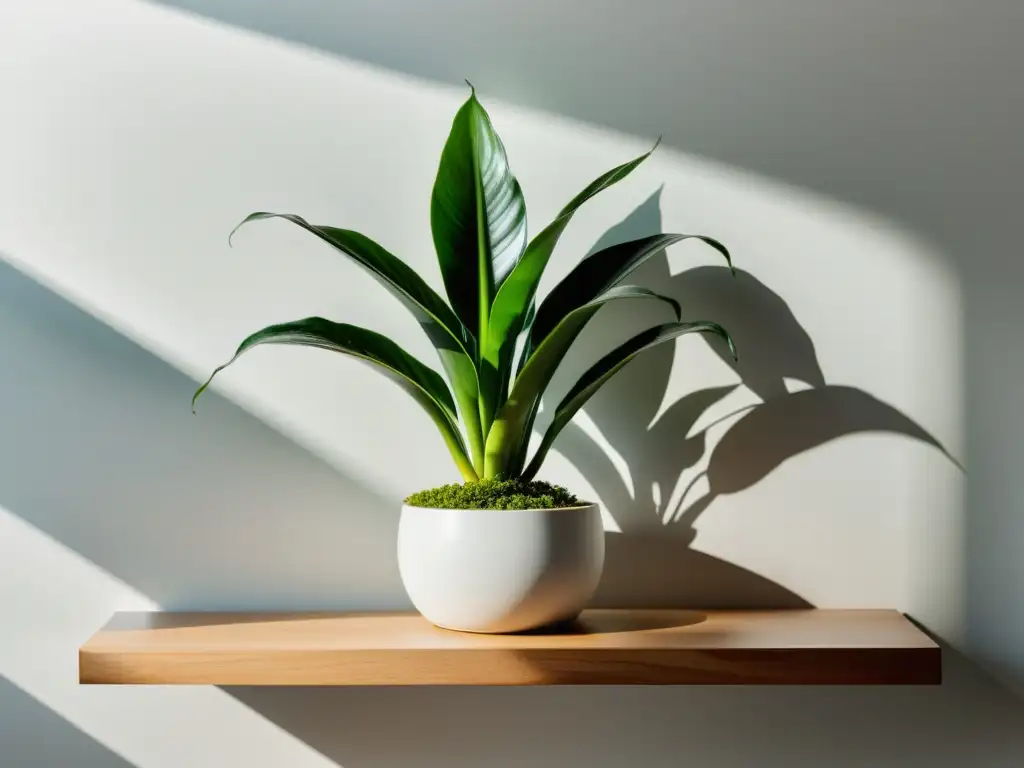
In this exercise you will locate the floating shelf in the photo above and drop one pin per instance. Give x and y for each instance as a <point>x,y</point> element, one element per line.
<point>607,647</point>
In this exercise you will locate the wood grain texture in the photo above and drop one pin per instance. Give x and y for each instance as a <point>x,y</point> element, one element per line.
<point>786,647</point>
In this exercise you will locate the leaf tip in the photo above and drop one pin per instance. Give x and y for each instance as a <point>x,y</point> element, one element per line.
<point>263,215</point>
<point>231,234</point>
<point>720,247</point>
<point>732,348</point>
<point>657,143</point>
<point>200,391</point>
<point>472,88</point>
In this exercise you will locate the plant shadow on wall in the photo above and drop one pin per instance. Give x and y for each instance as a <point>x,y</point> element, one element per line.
<point>652,562</point>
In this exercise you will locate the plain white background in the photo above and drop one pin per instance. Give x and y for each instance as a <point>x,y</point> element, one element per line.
<point>861,162</point>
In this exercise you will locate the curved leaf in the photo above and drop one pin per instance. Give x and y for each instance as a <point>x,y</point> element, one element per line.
<point>599,272</point>
<point>517,294</point>
<point>477,215</point>
<point>455,345</point>
<point>512,425</point>
<point>608,366</point>
<point>425,386</point>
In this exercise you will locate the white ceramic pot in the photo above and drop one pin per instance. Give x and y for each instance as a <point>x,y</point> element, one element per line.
<point>486,570</point>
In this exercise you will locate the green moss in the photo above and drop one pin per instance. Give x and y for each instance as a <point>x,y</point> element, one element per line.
<point>495,494</point>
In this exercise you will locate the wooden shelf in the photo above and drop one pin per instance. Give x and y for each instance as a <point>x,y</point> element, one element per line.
<point>803,647</point>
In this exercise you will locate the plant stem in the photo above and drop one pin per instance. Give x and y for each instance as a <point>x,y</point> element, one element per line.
<point>498,449</point>
<point>462,461</point>
<point>470,415</point>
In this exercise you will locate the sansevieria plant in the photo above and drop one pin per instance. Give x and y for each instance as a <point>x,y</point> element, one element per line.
<point>486,410</point>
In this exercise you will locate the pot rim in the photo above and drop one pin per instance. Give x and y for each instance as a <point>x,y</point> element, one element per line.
<point>576,508</point>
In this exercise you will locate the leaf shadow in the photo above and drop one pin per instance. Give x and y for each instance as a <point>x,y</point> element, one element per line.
<point>652,562</point>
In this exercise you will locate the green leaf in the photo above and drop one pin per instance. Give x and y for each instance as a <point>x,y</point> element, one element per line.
<point>477,216</point>
<point>455,345</point>
<point>600,271</point>
<point>425,385</point>
<point>595,377</point>
<point>513,423</point>
<point>518,292</point>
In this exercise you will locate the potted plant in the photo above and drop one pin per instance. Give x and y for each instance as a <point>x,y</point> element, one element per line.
<point>502,552</point>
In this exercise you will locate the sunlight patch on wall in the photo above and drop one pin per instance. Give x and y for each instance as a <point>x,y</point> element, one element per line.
<point>52,600</point>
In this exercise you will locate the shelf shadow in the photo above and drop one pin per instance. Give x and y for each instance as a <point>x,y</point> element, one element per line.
<point>613,725</point>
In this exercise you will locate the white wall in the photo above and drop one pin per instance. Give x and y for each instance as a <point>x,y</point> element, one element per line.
<point>137,135</point>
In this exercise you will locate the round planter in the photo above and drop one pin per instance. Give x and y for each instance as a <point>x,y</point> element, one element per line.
<point>486,570</point>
